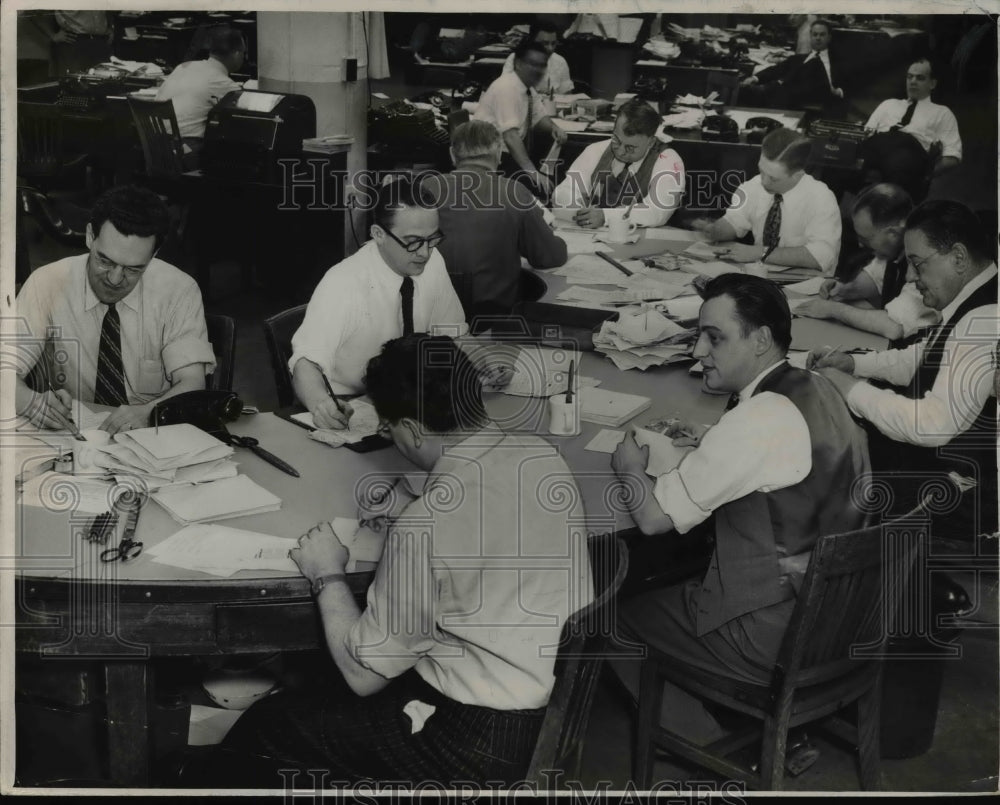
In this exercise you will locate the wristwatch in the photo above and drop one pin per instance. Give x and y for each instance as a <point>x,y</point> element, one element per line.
<point>320,582</point>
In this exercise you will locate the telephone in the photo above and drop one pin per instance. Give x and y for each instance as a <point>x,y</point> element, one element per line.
<point>206,409</point>
<point>759,127</point>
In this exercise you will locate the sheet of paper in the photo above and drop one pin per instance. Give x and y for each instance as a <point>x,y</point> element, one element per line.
<point>808,287</point>
<point>683,307</point>
<point>663,455</point>
<point>222,551</point>
<point>363,422</point>
<point>590,268</point>
<point>579,242</point>
<point>673,233</point>
<point>217,500</point>
<point>50,489</point>
<point>702,249</point>
<point>570,125</point>
<point>209,725</point>
<point>605,441</point>
<point>542,372</point>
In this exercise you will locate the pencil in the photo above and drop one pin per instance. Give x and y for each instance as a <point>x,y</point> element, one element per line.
<point>72,425</point>
<point>329,390</point>
<point>628,212</point>
<point>615,263</point>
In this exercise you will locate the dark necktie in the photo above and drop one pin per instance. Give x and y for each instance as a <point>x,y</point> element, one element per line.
<point>109,386</point>
<point>529,123</point>
<point>772,224</point>
<point>734,400</point>
<point>406,293</point>
<point>906,118</point>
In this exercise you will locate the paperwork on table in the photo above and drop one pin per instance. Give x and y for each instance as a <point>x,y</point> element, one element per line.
<point>363,422</point>
<point>643,339</point>
<point>219,500</point>
<point>543,371</point>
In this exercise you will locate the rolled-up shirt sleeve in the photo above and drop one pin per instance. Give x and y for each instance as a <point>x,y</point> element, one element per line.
<point>185,339</point>
<point>822,232</point>
<point>761,445</point>
<point>740,212</point>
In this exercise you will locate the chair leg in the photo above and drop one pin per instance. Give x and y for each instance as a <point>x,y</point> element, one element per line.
<point>869,735</point>
<point>647,720</point>
<point>772,753</point>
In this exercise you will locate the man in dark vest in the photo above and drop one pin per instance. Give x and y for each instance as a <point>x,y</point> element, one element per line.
<point>776,472</point>
<point>633,167</point>
<point>937,433</point>
<point>877,298</point>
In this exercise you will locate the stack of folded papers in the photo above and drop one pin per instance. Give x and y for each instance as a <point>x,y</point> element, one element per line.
<point>229,497</point>
<point>611,408</point>
<point>643,339</point>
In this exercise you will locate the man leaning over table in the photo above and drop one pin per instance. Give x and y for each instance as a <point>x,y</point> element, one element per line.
<point>794,218</point>
<point>633,167</point>
<point>878,299</point>
<point>941,417</point>
<point>512,105</point>
<point>394,285</point>
<point>115,326</point>
<point>776,472</point>
<point>445,673</point>
<point>556,78</point>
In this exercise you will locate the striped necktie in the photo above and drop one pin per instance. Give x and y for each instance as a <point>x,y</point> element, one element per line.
<point>109,386</point>
<point>772,224</point>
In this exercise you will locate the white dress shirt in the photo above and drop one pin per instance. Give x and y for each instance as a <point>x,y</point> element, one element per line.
<point>195,87</point>
<point>473,594</point>
<point>761,445</point>
<point>908,309</point>
<point>664,195</point>
<point>810,217</point>
<point>505,105</point>
<point>931,122</point>
<point>356,308</point>
<point>963,383</point>
<point>556,78</point>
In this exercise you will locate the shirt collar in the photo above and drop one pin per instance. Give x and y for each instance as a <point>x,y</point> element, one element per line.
<point>967,290</point>
<point>90,299</point>
<point>218,64</point>
<point>384,272</point>
<point>750,388</point>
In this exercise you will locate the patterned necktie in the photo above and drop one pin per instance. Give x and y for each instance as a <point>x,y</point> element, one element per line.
<point>406,292</point>
<point>734,400</point>
<point>109,386</point>
<point>906,118</point>
<point>772,224</point>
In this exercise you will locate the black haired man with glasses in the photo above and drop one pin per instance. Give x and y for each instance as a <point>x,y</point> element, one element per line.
<point>394,285</point>
<point>115,326</point>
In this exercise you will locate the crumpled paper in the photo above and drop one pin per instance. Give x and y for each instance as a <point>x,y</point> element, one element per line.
<point>418,712</point>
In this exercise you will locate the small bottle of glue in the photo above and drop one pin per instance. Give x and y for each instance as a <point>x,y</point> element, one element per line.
<point>64,462</point>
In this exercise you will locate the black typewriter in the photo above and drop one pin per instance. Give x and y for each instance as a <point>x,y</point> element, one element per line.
<point>84,92</point>
<point>836,142</point>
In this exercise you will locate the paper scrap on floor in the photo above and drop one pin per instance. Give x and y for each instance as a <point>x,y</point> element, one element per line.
<point>663,454</point>
<point>217,500</point>
<point>544,371</point>
<point>363,422</point>
<point>809,287</point>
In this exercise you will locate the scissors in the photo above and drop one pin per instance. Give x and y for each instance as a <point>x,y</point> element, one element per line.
<point>127,547</point>
<point>254,446</point>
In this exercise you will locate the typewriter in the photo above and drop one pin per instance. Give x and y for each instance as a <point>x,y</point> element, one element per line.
<point>836,142</point>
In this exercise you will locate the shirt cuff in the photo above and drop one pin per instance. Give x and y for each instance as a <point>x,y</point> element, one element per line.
<point>673,498</point>
<point>738,222</point>
<point>824,256</point>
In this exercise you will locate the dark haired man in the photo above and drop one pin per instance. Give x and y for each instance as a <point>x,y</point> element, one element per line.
<point>906,131</point>
<point>195,87</point>
<point>556,78</point>
<point>632,167</point>
<point>512,105</point>
<point>115,326</point>
<point>777,471</point>
<point>877,299</point>
<point>942,420</point>
<point>455,689</point>
<point>794,218</point>
<point>394,285</point>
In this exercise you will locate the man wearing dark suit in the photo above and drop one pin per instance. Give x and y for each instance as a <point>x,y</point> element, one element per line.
<point>802,79</point>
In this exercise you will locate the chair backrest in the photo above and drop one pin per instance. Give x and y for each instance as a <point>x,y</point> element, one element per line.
<point>578,665</point>
<point>278,330</point>
<point>848,601</point>
<point>456,119</point>
<point>222,335</point>
<point>39,140</point>
<point>160,137</point>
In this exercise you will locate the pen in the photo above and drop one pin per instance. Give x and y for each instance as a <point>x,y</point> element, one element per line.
<point>569,385</point>
<point>615,263</point>
<point>72,425</point>
<point>628,212</point>
<point>827,354</point>
<point>336,399</point>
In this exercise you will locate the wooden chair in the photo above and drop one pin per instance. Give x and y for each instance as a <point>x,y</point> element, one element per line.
<point>159,134</point>
<point>278,331</point>
<point>42,159</point>
<point>560,740</point>
<point>222,335</point>
<point>830,657</point>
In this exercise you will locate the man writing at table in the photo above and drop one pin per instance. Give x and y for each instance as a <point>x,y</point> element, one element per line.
<point>776,472</point>
<point>512,105</point>
<point>394,285</point>
<point>878,299</point>
<point>446,672</point>
<point>794,218</point>
<point>634,167</point>
<point>115,326</point>
<point>942,417</point>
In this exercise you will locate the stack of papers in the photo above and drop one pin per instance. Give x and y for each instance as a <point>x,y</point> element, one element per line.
<point>687,119</point>
<point>542,372</point>
<point>611,408</point>
<point>643,339</point>
<point>229,497</point>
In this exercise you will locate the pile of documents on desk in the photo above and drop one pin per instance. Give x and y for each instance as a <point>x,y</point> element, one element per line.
<point>662,49</point>
<point>643,339</point>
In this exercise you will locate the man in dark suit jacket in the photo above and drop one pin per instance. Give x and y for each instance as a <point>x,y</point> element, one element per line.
<point>800,80</point>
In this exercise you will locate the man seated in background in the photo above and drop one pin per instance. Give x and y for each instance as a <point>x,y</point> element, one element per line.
<point>556,79</point>
<point>878,299</point>
<point>940,425</point>
<point>445,673</point>
<point>512,105</point>
<point>801,80</point>
<point>489,223</point>
<point>394,285</point>
<point>633,167</point>
<point>775,473</point>
<point>195,87</point>
<point>908,129</point>
<point>115,326</point>
<point>794,218</point>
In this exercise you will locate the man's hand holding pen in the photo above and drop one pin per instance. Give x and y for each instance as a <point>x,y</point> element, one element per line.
<point>52,409</point>
<point>686,434</point>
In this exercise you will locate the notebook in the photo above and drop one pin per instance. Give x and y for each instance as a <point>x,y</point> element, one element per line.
<point>218,500</point>
<point>610,408</point>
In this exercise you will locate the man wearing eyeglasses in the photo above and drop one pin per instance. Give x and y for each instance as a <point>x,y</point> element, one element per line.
<point>633,167</point>
<point>941,423</point>
<point>394,285</point>
<point>115,326</point>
